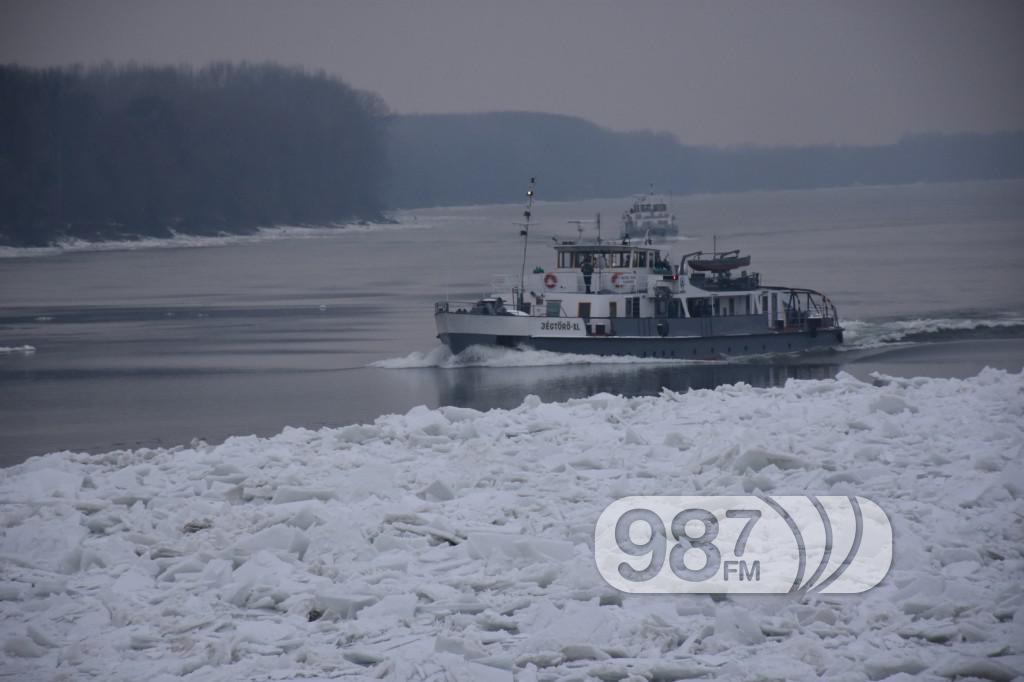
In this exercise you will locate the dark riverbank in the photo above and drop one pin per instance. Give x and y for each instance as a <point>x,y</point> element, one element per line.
<point>115,153</point>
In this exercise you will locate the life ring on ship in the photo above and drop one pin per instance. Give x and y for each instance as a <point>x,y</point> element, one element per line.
<point>616,280</point>
<point>550,280</point>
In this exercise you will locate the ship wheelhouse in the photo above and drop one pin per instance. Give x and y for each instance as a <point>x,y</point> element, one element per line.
<point>604,281</point>
<point>608,256</point>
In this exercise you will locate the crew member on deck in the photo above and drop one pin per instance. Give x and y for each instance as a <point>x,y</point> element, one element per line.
<point>588,270</point>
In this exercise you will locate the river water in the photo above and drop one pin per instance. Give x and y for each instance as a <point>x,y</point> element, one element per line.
<point>158,344</point>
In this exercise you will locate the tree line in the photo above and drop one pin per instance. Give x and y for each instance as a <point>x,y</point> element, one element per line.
<point>118,151</point>
<point>441,159</point>
<point>125,151</point>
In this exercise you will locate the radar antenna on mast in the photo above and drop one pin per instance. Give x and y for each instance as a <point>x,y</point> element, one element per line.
<point>579,228</point>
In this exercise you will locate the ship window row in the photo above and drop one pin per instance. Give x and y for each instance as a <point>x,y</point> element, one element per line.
<point>606,260</point>
<point>650,207</point>
<point>672,308</point>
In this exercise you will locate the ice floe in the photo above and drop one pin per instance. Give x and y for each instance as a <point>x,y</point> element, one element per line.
<point>23,350</point>
<point>457,544</point>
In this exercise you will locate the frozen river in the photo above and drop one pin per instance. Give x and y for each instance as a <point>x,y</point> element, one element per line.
<point>149,346</point>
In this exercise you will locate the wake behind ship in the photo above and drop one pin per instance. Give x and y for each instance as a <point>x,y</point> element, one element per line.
<point>605,298</point>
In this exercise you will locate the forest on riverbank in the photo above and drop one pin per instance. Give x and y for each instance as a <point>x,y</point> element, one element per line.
<point>449,159</point>
<point>120,151</point>
<point>116,152</point>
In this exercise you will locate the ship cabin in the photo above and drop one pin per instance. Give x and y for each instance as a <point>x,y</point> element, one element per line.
<point>611,280</point>
<point>607,280</point>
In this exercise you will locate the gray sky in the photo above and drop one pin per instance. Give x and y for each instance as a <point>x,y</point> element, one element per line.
<point>710,72</point>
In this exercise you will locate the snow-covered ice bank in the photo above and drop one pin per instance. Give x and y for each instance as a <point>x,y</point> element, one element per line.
<point>190,241</point>
<point>455,544</point>
<point>177,241</point>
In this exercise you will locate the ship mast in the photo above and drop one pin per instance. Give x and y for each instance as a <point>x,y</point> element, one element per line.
<point>525,233</point>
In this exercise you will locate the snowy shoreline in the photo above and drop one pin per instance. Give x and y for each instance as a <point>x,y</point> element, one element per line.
<point>193,241</point>
<point>456,542</point>
<point>17,350</point>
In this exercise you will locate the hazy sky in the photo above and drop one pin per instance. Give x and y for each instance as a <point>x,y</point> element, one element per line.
<point>710,72</point>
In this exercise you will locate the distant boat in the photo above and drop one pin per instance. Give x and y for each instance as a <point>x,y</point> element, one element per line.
<point>648,216</point>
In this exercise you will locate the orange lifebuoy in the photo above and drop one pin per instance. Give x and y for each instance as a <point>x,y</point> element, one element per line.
<point>550,280</point>
<point>615,280</point>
